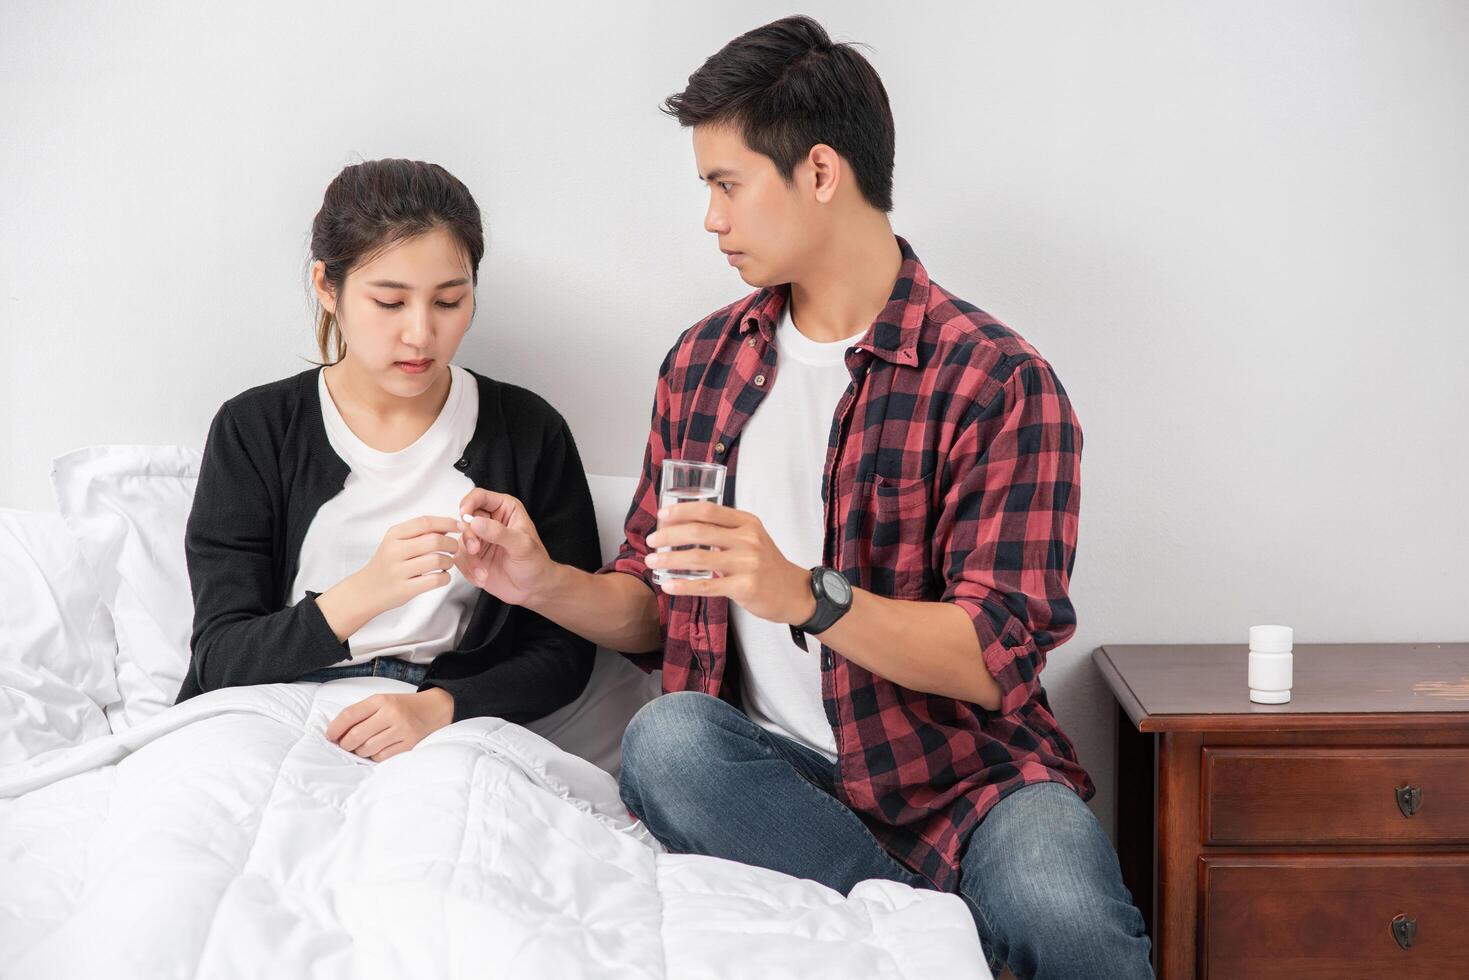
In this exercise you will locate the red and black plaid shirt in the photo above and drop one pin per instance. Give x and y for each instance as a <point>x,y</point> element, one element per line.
<point>952,474</point>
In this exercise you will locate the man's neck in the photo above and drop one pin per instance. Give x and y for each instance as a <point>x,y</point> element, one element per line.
<point>848,286</point>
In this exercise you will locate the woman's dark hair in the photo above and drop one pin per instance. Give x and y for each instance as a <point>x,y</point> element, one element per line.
<point>371,206</point>
<point>787,87</point>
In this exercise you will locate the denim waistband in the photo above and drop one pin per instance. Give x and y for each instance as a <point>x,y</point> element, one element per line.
<point>392,667</point>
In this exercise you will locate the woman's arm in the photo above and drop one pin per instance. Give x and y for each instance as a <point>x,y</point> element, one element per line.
<point>240,634</point>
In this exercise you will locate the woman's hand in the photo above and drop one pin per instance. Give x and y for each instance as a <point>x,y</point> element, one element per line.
<point>500,551</point>
<point>383,725</point>
<point>409,562</point>
<point>413,558</point>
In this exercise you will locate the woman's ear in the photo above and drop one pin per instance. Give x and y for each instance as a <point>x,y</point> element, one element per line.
<point>324,294</point>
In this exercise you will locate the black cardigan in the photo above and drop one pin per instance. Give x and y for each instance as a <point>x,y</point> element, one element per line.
<point>268,468</point>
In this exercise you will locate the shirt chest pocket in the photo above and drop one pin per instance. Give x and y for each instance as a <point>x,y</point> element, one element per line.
<point>893,535</point>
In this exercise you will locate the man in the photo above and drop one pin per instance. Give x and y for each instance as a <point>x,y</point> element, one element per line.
<point>854,694</point>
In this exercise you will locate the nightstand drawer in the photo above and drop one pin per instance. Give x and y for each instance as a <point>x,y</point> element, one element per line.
<point>1333,916</point>
<point>1290,795</point>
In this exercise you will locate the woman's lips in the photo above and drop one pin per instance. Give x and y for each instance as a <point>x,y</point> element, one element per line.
<point>414,367</point>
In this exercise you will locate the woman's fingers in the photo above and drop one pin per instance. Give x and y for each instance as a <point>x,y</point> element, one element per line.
<point>431,562</point>
<point>424,525</point>
<point>428,582</point>
<point>364,730</point>
<point>379,742</point>
<point>428,544</point>
<point>349,716</point>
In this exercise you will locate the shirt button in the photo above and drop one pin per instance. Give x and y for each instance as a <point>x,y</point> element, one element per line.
<point>750,342</point>
<point>719,449</point>
<point>461,464</point>
<point>759,381</point>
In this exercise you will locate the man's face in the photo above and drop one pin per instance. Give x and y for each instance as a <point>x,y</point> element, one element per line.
<point>765,226</point>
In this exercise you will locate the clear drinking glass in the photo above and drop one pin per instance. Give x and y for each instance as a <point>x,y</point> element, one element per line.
<point>685,481</point>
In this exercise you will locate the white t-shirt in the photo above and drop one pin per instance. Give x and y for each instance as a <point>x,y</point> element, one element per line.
<point>781,460</point>
<point>384,489</point>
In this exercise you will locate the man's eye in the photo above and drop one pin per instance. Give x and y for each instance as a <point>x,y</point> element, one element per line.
<point>725,186</point>
<point>387,306</point>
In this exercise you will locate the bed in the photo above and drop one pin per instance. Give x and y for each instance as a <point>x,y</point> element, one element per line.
<point>227,837</point>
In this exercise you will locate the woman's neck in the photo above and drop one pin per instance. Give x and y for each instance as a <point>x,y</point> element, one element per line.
<point>382,419</point>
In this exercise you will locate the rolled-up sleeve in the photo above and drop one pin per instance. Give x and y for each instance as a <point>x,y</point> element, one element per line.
<point>1007,527</point>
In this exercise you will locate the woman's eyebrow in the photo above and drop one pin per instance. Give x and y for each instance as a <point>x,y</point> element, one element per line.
<point>390,284</point>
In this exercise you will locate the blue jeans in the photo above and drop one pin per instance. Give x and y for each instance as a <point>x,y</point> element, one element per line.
<point>1038,873</point>
<point>398,670</point>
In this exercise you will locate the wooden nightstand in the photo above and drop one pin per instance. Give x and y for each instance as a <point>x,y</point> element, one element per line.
<point>1323,838</point>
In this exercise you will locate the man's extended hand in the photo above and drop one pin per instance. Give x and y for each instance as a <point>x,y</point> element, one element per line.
<point>501,551</point>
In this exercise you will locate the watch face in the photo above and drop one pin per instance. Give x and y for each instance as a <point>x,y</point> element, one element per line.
<point>836,586</point>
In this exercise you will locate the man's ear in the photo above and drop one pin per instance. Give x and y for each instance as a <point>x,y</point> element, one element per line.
<point>324,294</point>
<point>827,169</point>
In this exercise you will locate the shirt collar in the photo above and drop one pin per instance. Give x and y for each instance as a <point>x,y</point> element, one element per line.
<point>893,336</point>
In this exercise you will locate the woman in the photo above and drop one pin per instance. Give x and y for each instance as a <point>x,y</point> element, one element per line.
<point>320,543</point>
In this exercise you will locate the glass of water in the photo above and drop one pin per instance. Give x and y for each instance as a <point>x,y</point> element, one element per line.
<point>686,481</point>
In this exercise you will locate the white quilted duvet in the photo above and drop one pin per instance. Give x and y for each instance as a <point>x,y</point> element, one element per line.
<point>227,838</point>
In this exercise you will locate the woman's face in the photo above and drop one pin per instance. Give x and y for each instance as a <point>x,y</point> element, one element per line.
<point>403,313</point>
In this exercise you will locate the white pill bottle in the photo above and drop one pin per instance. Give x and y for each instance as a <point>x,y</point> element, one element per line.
<point>1270,663</point>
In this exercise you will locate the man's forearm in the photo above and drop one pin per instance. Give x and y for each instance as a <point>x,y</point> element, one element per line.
<point>923,646</point>
<point>617,611</point>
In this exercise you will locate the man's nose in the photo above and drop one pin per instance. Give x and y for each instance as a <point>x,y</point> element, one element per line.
<point>715,221</point>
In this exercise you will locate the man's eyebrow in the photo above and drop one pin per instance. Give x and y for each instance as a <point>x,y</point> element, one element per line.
<point>390,284</point>
<point>719,174</point>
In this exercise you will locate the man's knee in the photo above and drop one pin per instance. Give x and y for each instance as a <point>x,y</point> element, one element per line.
<point>670,732</point>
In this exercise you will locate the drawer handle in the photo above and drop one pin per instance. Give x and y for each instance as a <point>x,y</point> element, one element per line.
<point>1408,799</point>
<point>1404,929</point>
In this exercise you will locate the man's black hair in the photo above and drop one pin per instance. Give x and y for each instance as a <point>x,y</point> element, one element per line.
<point>787,87</point>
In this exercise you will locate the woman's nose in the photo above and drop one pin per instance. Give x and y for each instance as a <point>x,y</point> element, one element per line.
<point>417,332</point>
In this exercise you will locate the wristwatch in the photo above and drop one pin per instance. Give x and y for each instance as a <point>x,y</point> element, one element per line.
<point>833,598</point>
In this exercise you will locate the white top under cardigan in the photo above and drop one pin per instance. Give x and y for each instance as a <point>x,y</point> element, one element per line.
<point>382,490</point>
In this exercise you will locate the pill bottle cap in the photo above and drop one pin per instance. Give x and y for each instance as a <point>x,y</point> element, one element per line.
<point>1271,639</point>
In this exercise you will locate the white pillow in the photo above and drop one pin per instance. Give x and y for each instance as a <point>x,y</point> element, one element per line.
<point>56,641</point>
<point>127,506</point>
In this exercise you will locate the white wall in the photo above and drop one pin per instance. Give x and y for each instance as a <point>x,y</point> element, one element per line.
<point>1239,231</point>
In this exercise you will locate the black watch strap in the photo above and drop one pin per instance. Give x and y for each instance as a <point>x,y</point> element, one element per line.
<point>828,611</point>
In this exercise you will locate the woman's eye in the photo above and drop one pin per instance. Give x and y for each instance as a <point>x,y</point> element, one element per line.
<point>393,306</point>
